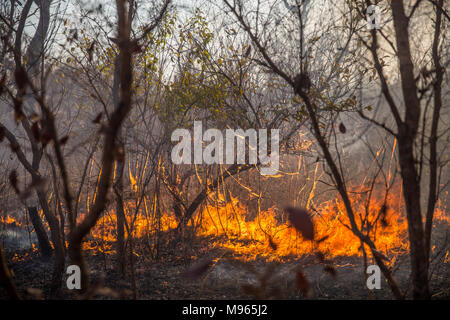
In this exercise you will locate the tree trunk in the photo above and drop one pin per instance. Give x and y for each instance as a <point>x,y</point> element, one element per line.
<point>44,244</point>
<point>407,133</point>
<point>120,212</point>
<point>118,183</point>
<point>58,265</point>
<point>433,139</point>
<point>411,193</point>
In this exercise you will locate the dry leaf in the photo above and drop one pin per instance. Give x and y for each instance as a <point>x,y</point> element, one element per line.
<point>14,147</point>
<point>383,214</point>
<point>303,284</point>
<point>21,77</point>
<point>2,134</point>
<point>107,292</point>
<point>45,136</point>
<point>98,118</point>
<point>119,154</point>
<point>35,130</point>
<point>2,83</point>
<point>196,270</point>
<point>331,270</point>
<point>321,257</point>
<point>34,293</point>
<point>13,181</point>
<point>63,140</point>
<point>90,50</point>
<point>272,244</point>
<point>301,221</point>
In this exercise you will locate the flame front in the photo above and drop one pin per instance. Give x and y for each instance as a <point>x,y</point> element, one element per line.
<point>228,223</point>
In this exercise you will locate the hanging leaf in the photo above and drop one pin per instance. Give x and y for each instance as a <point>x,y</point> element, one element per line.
<point>2,134</point>
<point>119,154</point>
<point>303,284</point>
<point>383,214</point>
<point>45,136</point>
<point>35,130</point>
<point>272,244</point>
<point>34,294</point>
<point>90,51</point>
<point>2,83</point>
<point>321,257</point>
<point>14,147</point>
<point>330,270</point>
<point>63,140</point>
<point>98,118</point>
<point>13,181</point>
<point>21,77</point>
<point>247,52</point>
<point>196,270</point>
<point>18,113</point>
<point>301,221</point>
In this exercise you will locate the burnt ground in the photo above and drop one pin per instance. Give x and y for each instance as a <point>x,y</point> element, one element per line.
<point>164,277</point>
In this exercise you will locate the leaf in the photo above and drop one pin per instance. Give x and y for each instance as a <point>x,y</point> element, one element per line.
<point>98,118</point>
<point>331,270</point>
<point>301,221</point>
<point>13,181</point>
<point>63,140</point>
<point>383,214</point>
<point>107,292</point>
<point>303,284</point>
<point>2,83</point>
<point>119,154</point>
<point>196,270</point>
<point>35,130</point>
<point>45,136</point>
<point>18,113</point>
<point>90,51</point>
<point>247,52</point>
<point>14,147</point>
<point>2,134</point>
<point>321,257</point>
<point>34,117</point>
<point>21,77</point>
<point>342,128</point>
<point>272,244</point>
<point>312,40</point>
<point>34,293</point>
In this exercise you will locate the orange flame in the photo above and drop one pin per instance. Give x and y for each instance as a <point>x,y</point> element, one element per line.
<point>229,223</point>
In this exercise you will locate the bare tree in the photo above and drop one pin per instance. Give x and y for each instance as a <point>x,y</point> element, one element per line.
<point>407,128</point>
<point>127,46</point>
<point>29,73</point>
